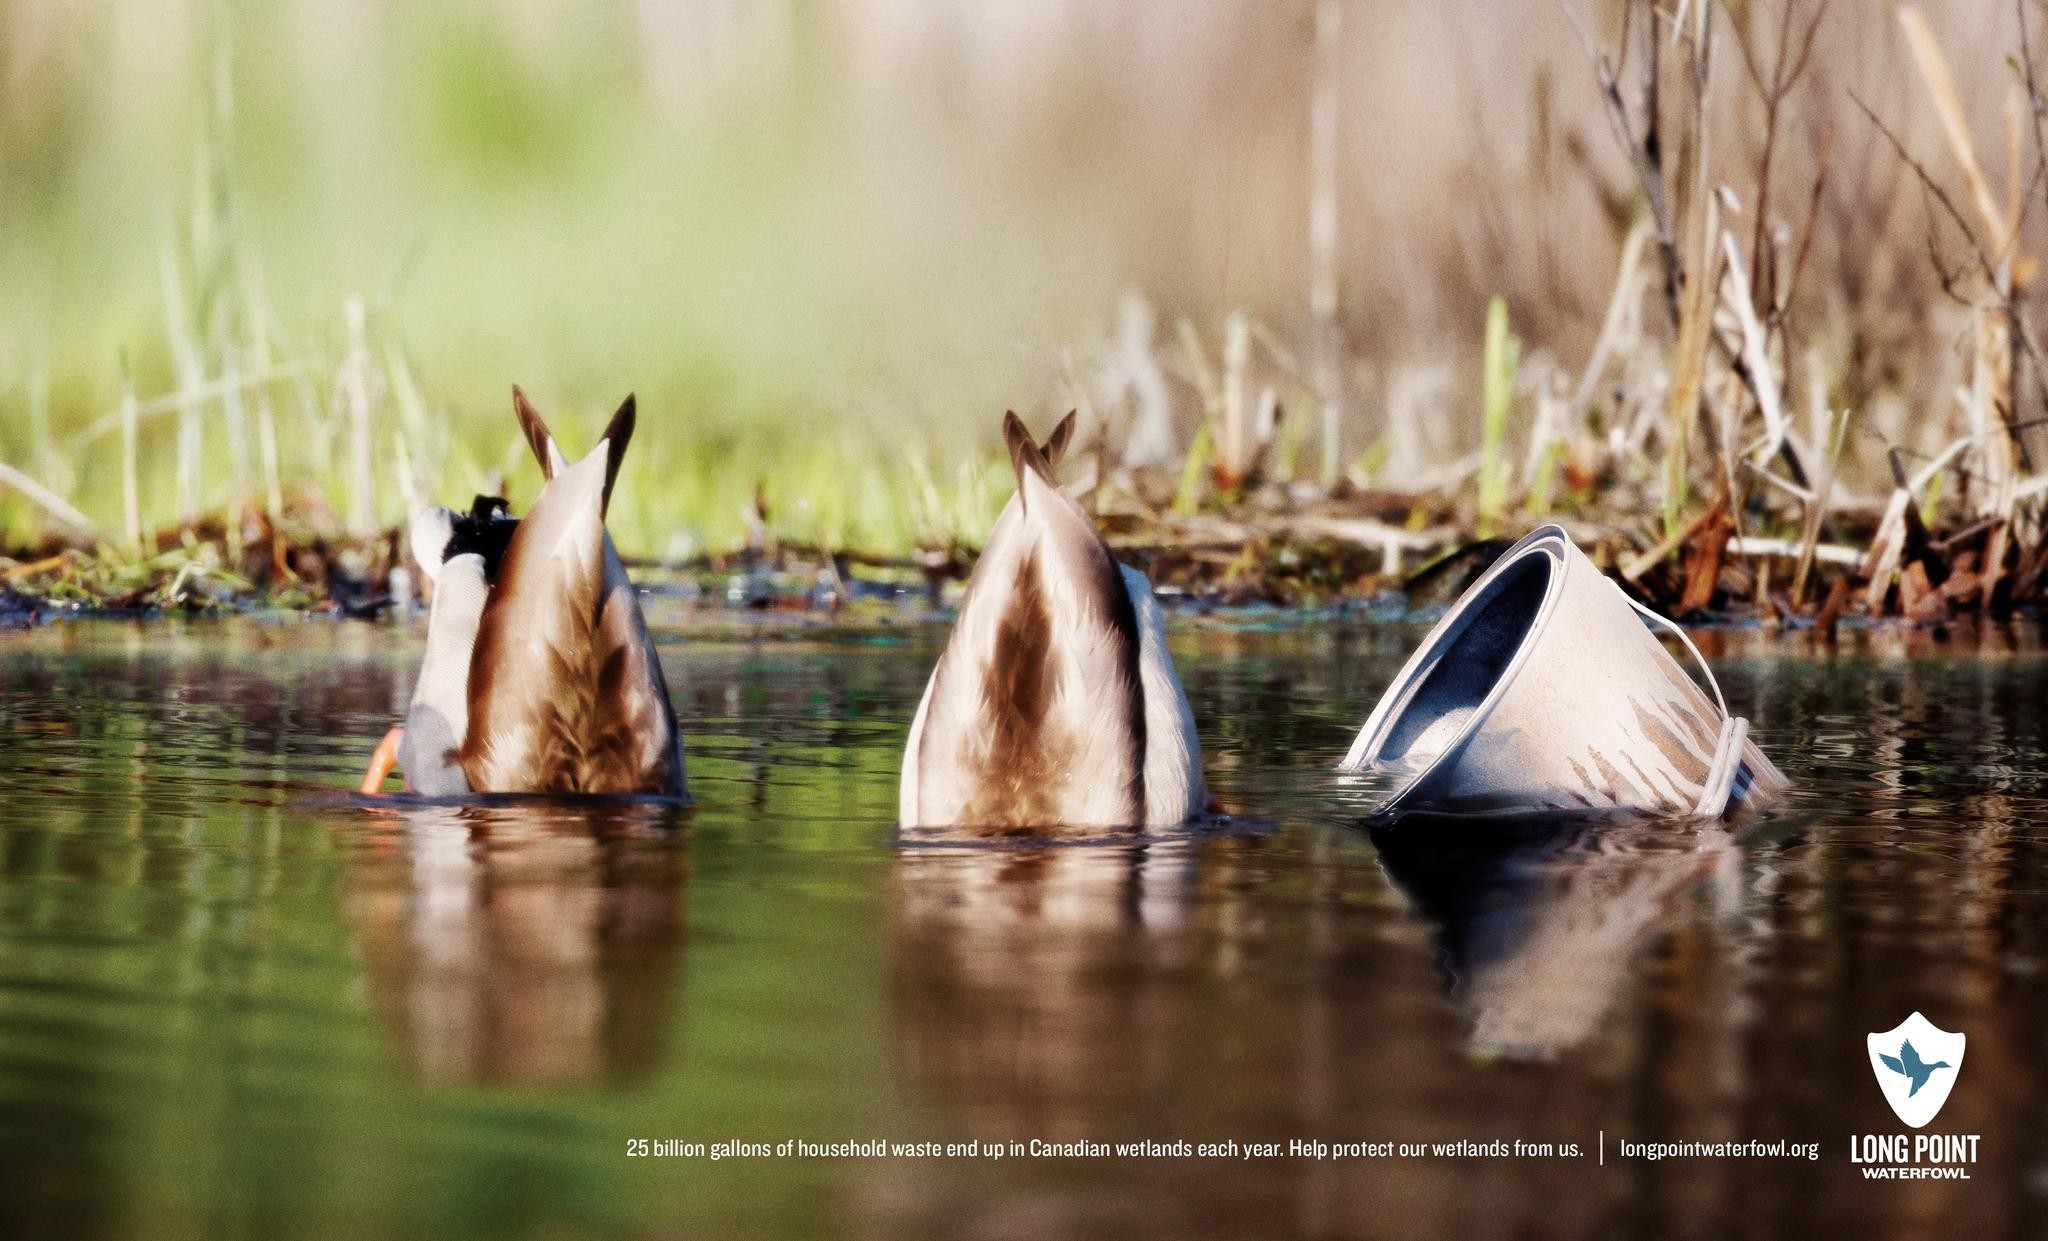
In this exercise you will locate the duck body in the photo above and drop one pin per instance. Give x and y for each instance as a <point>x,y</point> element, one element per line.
<point>1054,704</point>
<point>540,675</point>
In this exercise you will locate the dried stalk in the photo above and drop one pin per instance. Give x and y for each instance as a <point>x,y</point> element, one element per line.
<point>191,379</point>
<point>1618,307</point>
<point>1789,549</point>
<point>1886,546</point>
<point>1322,235</point>
<point>131,488</point>
<point>1763,381</point>
<point>1948,108</point>
<point>1689,366</point>
<point>110,421</point>
<point>1233,439</point>
<point>1788,65</point>
<point>1645,156</point>
<point>355,383</point>
<point>1816,512</point>
<point>47,500</point>
<point>1648,560</point>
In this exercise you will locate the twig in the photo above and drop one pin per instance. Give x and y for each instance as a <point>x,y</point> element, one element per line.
<point>1948,108</point>
<point>1646,561</point>
<point>1787,66</point>
<point>1788,549</point>
<point>2035,104</point>
<point>1930,185</point>
<point>1762,380</point>
<point>1805,247</point>
<point>1805,495</point>
<point>1644,156</point>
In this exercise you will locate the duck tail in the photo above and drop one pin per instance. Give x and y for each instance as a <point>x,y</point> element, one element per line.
<point>538,437</point>
<point>1055,445</point>
<point>1027,454</point>
<point>617,434</point>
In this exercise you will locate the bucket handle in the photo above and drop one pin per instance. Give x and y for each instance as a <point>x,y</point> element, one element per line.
<point>1674,627</point>
<point>1726,769</point>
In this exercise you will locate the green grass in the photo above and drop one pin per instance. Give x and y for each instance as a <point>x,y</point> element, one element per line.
<point>505,204</point>
<point>1502,356</point>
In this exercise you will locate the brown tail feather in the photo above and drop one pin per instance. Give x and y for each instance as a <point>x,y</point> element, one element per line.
<point>1055,445</point>
<point>617,434</point>
<point>1025,454</point>
<point>538,437</point>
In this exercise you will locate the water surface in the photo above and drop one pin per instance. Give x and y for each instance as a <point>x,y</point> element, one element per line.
<point>237,1001</point>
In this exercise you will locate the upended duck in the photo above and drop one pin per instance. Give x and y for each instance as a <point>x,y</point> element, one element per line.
<point>1054,704</point>
<point>539,675</point>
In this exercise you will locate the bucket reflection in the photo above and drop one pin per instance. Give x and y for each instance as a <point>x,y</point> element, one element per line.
<point>525,943</point>
<point>1539,919</point>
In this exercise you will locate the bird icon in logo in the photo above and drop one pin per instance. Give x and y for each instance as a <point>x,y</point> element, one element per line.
<point>1909,1064</point>
<point>1902,1072</point>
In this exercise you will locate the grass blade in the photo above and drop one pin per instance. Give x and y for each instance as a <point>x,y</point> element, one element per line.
<point>1502,353</point>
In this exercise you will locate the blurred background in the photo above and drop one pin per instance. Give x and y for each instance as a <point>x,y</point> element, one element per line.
<point>829,242</point>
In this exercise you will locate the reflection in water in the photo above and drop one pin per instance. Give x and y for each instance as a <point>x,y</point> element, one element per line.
<point>1002,955</point>
<point>229,996</point>
<point>1540,922</point>
<point>1203,987</point>
<point>532,943</point>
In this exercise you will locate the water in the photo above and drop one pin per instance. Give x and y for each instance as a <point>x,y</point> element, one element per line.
<point>237,1001</point>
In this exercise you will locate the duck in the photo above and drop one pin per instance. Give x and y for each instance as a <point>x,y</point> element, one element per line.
<point>540,675</point>
<point>1054,704</point>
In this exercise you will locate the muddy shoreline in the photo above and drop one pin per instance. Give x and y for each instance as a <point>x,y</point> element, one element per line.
<point>1374,553</point>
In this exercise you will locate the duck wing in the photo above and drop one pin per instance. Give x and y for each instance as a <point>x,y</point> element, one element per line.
<point>1174,789</point>
<point>1035,715</point>
<point>638,743</point>
<point>435,723</point>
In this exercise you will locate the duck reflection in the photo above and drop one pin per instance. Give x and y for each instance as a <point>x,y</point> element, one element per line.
<point>1033,979</point>
<point>1539,919</point>
<point>528,943</point>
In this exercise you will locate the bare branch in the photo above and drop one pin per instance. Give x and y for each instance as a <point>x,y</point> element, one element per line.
<point>1644,155</point>
<point>1932,187</point>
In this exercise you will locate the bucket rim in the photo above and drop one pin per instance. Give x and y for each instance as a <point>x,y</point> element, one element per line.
<point>1548,539</point>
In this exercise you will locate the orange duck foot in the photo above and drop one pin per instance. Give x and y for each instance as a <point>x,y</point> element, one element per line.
<point>383,761</point>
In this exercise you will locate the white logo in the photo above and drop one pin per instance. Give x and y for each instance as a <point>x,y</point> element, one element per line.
<point>1916,1063</point>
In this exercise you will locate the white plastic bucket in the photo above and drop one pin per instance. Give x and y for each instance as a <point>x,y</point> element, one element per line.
<point>1542,690</point>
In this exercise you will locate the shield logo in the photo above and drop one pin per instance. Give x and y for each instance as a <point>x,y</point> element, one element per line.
<point>1916,1063</point>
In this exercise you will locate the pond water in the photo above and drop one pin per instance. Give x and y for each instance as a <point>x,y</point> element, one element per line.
<point>236,1000</point>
